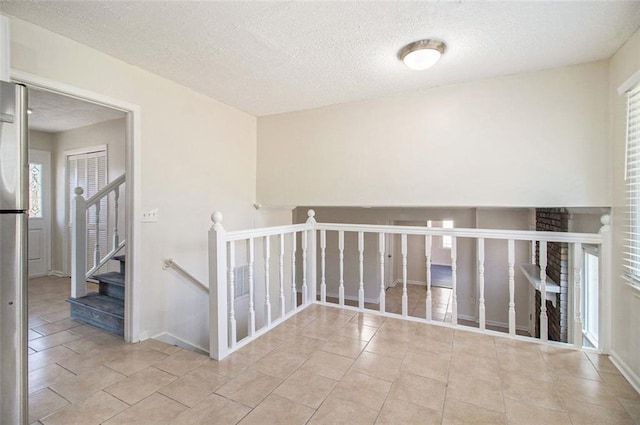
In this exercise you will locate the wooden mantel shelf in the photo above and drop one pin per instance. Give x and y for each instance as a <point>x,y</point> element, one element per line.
<point>532,273</point>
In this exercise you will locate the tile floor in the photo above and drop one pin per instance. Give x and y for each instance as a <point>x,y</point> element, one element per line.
<point>323,366</point>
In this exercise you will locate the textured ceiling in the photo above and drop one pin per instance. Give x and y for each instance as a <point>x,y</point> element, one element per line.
<point>271,57</point>
<point>53,112</point>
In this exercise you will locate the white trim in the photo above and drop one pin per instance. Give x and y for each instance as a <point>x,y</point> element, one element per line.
<point>5,48</point>
<point>88,149</point>
<point>56,273</point>
<point>625,370</point>
<point>629,83</point>
<point>351,298</point>
<point>168,338</point>
<point>133,172</point>
<point>492,323</point>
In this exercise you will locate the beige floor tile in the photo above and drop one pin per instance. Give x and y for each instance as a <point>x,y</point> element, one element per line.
<point>619,387</point>
<point>306,388</point>
<point>44,402</point>
<point>163,347</point>
<point>299,345</point>
<point>367,319</point>
<point>633,409</point>
<point>383,346</point>
<point>587,414</point>
<point>602,363</point>
<point>134,361</point>
<point>88,360</point>
<point>50,356</point>
<point>424,344</point>
<point>181,362</point>
<point>586,391</point>
<point>83,386</point>
<point>261,346</point>
<point>396,412</point>
<point>377,365</point>
<point>52,340</point>
<point>526,414</point>
<point>94,410</point>
<point>362,389</point>
<point>278,410</point>
<point>531,391</point>
<point>153,410</point>
<point>57,315</point>
<point>250,387</point>
<point>418,390</point>
<point>344,346</point>
<point>357,330</point>
<point>428,365</point>
<point>55,327</point>
<point>233,365</point>
<point>335,411</point>
<point>85,330</point>
<point>474,390</point>
<point>280,364</point>
<point>193,388</point>
<point>47,376</point>
<point>460,413</point>
<point>577,368</point>
<point>213,408</point>
<point>33,335</point>
<point>328,365</point>
<point>140,385</point>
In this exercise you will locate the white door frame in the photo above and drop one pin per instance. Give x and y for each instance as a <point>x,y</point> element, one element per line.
<point>132,169</point>
<point>46,205</point>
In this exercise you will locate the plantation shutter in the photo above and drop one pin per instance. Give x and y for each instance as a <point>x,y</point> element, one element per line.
<point>632,177</point>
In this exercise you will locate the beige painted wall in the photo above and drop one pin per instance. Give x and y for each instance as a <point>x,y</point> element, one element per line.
<point>197,155</point>
<point>625,302</point>
<point>535,139</point>
<point>110,133</point>
<point>41,140</point>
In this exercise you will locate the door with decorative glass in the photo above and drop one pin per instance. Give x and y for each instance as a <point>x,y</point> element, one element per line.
<point>39,212</point>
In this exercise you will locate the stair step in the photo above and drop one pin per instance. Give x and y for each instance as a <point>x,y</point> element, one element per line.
<point>99,310</point>
<point>122,259</point>
<point>111,284</point>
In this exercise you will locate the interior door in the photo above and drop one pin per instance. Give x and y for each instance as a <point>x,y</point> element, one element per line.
<point>39,234</point>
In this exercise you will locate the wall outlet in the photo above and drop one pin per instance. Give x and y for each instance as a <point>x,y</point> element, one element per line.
<point>149,216</point>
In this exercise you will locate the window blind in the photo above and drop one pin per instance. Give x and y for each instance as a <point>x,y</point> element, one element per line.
<point>632,177</point>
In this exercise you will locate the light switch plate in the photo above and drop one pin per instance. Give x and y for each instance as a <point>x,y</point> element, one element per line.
<point>150,216</point>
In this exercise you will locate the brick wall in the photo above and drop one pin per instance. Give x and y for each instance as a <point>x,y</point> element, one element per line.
<point>555,220</point>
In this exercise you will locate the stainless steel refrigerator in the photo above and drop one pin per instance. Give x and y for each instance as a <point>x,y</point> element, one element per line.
<point>13,253</point>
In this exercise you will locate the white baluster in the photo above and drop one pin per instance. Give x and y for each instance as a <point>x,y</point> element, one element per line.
<point>218,296</point>
<point>294,289</point>
<point>341,251</point>
<point>323,266</point>
<point>381,251</point>
<point>267,296</point>
<point>405,297</point>
<point>454,282</point>
<point>232,294</point>
<point>533,250</point>
<point>361,258</point>
<point>281,276</point>
<point>512,305</point>
<point>96,253</point>
<point>481,306</point>
<point>544,321</point>
<point>79,245</point>
<point>427,253</point>
<point>577,297</point>
<point>252,312</point>
<point>304,268</point>
<point>116,236</point>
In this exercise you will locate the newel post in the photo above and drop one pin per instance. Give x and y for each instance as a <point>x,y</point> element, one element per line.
<point>78,245</point>
<point>218,299</point>
<point>604,340</point>
<point>312,258</point>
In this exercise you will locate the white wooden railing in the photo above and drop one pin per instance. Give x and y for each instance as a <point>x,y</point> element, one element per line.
<point>302,289</point>
<point>87,216</point>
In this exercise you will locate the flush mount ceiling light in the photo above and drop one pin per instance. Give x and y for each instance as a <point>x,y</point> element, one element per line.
<point>422,54</point>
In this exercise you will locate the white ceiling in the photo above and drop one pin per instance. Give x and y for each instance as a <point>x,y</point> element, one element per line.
<point>53,113</point>
<point>271,57</point>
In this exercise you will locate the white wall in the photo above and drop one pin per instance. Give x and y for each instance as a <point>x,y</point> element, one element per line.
<point>41,140</point>
<point>197,155</point>
<point>625,303</point>
<point>535,139</point>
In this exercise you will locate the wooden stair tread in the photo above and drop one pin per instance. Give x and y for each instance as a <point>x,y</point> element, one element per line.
<point>112,278</point>
<point>101,303</point>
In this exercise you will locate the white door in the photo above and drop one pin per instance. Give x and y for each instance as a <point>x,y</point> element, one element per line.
<point>88,170</point>
<point>39,212</point>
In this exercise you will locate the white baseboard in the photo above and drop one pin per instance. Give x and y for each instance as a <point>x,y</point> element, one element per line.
<point>174,340</point>
<point>492,322</point>
<point>56,273</point>
<point>415,282</point>
<point>625,370</point>
<point>352,298</point>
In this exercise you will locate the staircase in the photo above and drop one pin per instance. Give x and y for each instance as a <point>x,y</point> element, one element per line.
<point>105,308</point>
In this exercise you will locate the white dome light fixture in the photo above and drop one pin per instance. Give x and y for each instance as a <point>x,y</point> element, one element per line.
<point>421,54</point>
